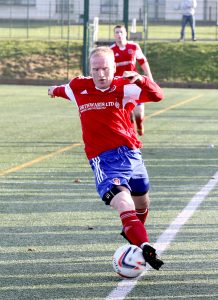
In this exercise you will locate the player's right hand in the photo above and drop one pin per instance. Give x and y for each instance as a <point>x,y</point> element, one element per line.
<point>50,91</point>
<point>133,76</point>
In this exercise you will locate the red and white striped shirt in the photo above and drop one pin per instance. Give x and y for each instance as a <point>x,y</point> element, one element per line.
<point>104,115</point>
<point>126,57</point>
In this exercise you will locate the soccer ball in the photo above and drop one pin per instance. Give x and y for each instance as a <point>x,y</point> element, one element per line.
<point>128,261</point>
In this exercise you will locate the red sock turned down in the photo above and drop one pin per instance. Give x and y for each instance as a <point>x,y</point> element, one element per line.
<point>142,214</point>
<point>133,228</point>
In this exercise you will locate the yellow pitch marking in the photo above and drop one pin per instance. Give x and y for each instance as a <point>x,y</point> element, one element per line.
<point>173,106</point>
<point>38,159</point>
<point>44,157</point>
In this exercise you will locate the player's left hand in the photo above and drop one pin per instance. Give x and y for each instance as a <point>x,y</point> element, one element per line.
<point>132,76</point>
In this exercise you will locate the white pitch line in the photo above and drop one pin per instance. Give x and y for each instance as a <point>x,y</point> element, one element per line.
<point>126,285</point>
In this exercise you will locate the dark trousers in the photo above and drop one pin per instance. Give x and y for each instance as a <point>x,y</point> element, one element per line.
<point>185,21</point>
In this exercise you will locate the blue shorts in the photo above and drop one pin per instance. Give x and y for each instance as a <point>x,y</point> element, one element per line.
<point>120,166</point>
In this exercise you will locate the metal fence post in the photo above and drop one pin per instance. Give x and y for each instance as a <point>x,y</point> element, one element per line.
<point>49,21</point>
<point>68,39</point>
<point>85,37</point>
<point>126,14</point>
<point>216,18</point>
<point>28,18</point>
<point>145,25</point>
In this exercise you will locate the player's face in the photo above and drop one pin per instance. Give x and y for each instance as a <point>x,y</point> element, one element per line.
<point>102,68</point>
<point>120,35</point>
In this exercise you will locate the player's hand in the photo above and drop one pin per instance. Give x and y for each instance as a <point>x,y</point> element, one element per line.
<point>50,91</point>
<point>132,76</point>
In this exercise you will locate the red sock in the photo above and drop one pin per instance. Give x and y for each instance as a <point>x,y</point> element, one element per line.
<point>142,214</point>
<point>133,228</point>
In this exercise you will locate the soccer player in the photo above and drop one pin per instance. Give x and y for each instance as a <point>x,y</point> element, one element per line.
<point>126,54</point>
<point>104,103</point>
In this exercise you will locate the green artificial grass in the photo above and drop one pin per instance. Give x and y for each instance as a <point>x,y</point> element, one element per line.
<point>57,236</point>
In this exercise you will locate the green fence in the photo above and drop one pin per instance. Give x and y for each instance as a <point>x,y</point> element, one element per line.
<point>63,19</point>
<point>42,40</point>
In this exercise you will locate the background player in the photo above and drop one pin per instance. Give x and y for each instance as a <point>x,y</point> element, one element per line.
<point>111,145</point>
<point>127,53</point>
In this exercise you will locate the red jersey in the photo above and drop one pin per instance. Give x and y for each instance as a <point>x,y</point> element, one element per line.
<point>104,115</point>
<point>126,57</point>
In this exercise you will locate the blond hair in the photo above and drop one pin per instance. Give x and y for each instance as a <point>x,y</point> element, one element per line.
<point>98,51</point>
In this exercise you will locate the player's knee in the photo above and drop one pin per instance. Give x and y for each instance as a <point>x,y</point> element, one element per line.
<point>123,202</point>
<point>142,201</point>
<point>140,188</point>
<point>108,196</point>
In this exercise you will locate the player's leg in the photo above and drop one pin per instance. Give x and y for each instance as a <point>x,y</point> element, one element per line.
<point>184,22</point>
<point>142,204</point>
<point>111,171</point>
<point>139,118</point>
<point>140,192</point>
<point>149,253</point>
<point>139,184</point>
<point>192,25</point>
<point>133,229</point>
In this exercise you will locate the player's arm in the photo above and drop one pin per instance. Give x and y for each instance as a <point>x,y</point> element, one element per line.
<point>51,91</point>
<point>63,91</point>
<point>143,89</point>
<point>58,91</point>
<point>132,76</point>
<point>142,60</point>
<point>146,69</point>
<point>151,92</point>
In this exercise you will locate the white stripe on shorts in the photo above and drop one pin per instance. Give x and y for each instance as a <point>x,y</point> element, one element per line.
<point>98,172</point>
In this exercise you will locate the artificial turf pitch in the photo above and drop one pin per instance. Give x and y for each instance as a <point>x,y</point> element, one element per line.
<point>57,238</point>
